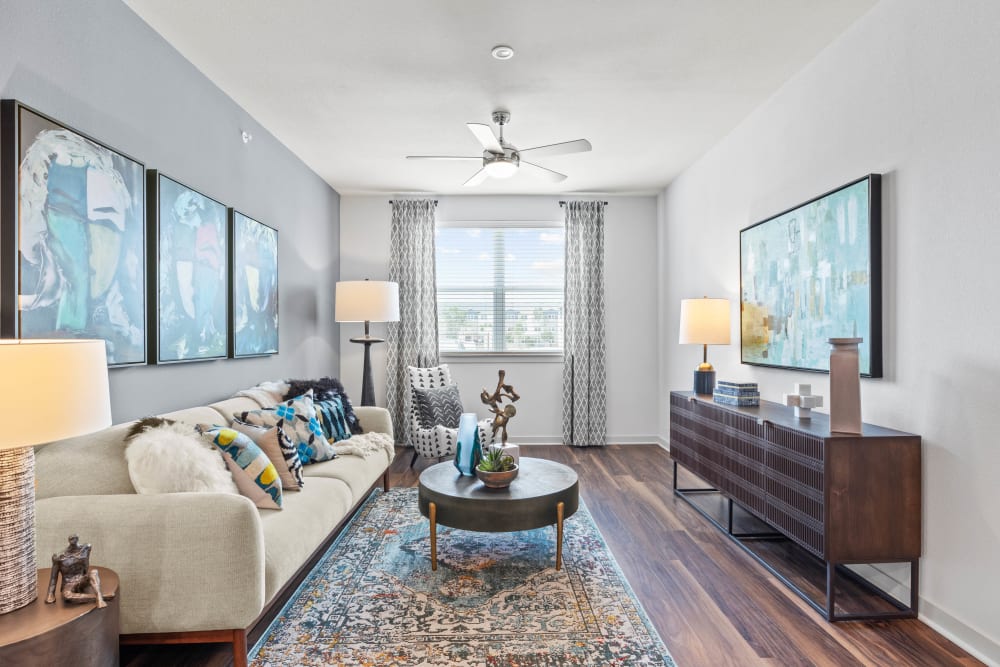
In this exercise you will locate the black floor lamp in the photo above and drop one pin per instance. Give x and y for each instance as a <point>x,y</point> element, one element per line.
<point>367,301</point>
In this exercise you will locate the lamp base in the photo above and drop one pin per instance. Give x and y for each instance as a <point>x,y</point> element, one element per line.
<point>704,382</point>
<point>18,573</point>
<point>367,384</point>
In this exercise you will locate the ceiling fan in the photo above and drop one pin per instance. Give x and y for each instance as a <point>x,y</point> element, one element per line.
<point>501,159</point>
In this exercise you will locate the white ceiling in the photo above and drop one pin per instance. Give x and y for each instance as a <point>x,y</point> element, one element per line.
<point>353,86</point>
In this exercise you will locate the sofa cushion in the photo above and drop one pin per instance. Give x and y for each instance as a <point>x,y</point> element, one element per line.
<point>201,414</point>
<point>279,448</point>
<point>255,475</point>
<point>359,473</point>
<point>291,535</point>
<point>233,406</point>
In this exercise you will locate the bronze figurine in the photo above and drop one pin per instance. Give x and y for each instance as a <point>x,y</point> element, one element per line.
<point>80,584</point>
<point>503,413</point>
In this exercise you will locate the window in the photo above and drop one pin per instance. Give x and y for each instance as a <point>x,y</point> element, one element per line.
<point>500,289</point>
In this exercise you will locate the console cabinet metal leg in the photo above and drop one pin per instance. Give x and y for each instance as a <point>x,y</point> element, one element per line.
<point>846,499</point>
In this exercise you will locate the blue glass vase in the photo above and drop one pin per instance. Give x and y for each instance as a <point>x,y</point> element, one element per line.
<point>469,451</point>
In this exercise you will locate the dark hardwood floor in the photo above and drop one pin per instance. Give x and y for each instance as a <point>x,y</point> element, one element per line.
<point>710,601</point>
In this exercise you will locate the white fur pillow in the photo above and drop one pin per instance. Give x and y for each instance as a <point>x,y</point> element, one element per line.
<point>171,457</point>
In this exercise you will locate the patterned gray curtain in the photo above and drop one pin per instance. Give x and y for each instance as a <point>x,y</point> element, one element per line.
<point>413,341</point>
<point>584,385</point>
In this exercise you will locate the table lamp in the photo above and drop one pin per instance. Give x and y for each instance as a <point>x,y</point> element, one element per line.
<point>51,390</point>
<point>704,322</point>
<point>367,301</point>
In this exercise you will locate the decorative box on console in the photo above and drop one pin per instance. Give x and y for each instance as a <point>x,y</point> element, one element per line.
<point>740,394</point>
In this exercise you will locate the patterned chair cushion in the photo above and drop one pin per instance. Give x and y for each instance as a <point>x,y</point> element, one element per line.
<point>440,405</point>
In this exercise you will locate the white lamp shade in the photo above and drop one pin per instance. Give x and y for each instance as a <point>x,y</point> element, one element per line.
<point>704,321</point>
<point>367,300</point>
<point>51,390</point>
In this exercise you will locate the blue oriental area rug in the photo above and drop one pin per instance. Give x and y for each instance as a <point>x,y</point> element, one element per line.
<point>495,599</point>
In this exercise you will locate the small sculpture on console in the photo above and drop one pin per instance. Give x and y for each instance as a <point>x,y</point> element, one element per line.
<point>803,400</point>
<point>503,414</point>
<point>80,584</point>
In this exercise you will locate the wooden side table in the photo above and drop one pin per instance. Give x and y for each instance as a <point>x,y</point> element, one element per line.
<point>62,633</point>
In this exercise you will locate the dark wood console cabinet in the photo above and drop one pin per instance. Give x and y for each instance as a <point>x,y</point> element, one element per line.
<point>846,499</point>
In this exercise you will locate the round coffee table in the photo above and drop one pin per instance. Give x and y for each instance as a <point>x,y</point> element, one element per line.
<point>544,493</point>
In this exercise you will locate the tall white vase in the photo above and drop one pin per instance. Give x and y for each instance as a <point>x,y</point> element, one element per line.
<point>845,386</point>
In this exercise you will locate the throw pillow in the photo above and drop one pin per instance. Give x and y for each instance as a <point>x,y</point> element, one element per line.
<point>164,456</point>
<point>442,405</point>
<point>255,475</point>
<point>280,449</point>
<point>297,418</point>
<point>325,389</point>
<point>333,420</point>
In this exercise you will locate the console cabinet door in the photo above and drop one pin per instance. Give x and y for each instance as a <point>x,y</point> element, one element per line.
<point>795,486</point>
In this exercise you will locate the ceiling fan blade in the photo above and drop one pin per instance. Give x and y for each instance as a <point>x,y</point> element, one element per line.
<point>477,178</point>
<point>542,172</point>
<point>486,137</point>
<point>443,157</point>
<point>577,146</point>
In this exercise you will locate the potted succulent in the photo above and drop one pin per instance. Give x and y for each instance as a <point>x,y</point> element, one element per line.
<point>496,469</point>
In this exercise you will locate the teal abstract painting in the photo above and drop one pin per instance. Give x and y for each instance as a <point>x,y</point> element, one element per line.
<point>810,274</point>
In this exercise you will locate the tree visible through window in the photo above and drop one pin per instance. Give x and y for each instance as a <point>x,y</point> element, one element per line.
<point>500,289</point>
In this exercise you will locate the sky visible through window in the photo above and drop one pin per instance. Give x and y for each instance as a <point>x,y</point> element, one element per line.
<point>500,289</point>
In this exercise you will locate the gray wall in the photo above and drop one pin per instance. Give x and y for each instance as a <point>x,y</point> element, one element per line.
<point>99,68</point>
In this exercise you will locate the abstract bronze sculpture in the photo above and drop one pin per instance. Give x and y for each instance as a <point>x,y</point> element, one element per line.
<point>80,584</point>
<point>503,413</point>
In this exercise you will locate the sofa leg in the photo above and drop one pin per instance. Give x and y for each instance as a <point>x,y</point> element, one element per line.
<point>385,481</point>
<point>414,459</point>
<point>239,648</point>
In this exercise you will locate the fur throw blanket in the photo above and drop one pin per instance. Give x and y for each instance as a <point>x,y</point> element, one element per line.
<point>365,445</point>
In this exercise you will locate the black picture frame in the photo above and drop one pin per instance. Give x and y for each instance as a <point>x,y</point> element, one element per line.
<point>188,244</point>
<point>814,285</point>
<point>79,242</point>
<point>254,293</point>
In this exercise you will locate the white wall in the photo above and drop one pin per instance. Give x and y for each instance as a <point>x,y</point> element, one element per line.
<point>909,91</point>
<point>631,295</point>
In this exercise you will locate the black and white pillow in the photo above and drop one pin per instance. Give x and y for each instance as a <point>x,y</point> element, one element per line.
<point>442,405</point>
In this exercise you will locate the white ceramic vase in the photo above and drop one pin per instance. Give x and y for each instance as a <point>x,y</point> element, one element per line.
<point>845,386</point>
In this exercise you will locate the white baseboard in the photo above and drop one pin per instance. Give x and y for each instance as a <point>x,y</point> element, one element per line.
<point>970,639</point>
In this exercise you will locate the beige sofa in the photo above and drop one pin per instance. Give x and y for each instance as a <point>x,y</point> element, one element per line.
<point>195,567</point>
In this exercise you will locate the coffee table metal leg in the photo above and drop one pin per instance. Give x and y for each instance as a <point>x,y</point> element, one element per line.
<point>432,511</point>
<point>560,509</point>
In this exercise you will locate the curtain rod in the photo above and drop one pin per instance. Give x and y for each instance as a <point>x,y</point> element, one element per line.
<point>393,201</point>
<point>562,203</point>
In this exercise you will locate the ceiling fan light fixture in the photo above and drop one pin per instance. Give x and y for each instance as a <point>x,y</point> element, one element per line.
<point>501,167</point>
<point>502,52</point>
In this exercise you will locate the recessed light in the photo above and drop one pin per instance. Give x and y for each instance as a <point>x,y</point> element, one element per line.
<point>502,52</point>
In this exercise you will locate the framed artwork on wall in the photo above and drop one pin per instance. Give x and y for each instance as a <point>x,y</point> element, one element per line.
<point>254,282</point>
<point>812,273</point>
<point>189,246</point>
<point>72,263</point>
